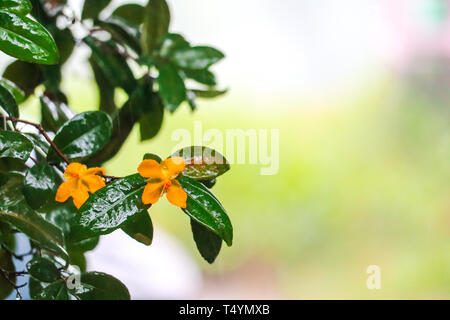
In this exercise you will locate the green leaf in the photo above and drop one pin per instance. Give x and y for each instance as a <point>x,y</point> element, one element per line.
<point>122,31</point>
<point>43,269</point>
<point>110,207</point>
<point>82,136</point>
<point>204,208</point>
<point>40,185</point>
<point>54,291</point>
<point>6,263</point>
<point>171,87</point>
<point>152,118</point>
<point>64,41</point>
<point>19,7</point>
<point>196,58</point>
<point>113,65</point>
<point>8,103</point>
<point>92,8</point>
<point>156,25</point>
<point>35,287</point>
<point>26,39</point>
<point>15,145</point>
<point>105,88</point>
<point>140,228</point>
<point>54,111</point>
<point>13,89</point>
<point>38,141</point>
<point>15,210</point>
<point>100,286</point>
<point>208,243</point>
<point>152,156</point>
<point>208,94</point>
<point>170,43</point>
<point>201,76</point>
<point>208,183</point>
<point>133,13</point>
<point>27,76</point>
<point>61,214</point>
<point>202,163</point>
<point>124,120</point>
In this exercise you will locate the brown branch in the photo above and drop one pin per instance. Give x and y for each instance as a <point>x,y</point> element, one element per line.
<point>41,131</point>
<point>10,278</point>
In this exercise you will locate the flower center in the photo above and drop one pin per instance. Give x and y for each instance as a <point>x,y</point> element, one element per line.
<point>75,175</point>
<point>168,184</point>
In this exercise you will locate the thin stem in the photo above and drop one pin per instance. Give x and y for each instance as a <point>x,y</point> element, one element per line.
<point>42,131</point>
<point>15,255</point>
<point>12,274</point>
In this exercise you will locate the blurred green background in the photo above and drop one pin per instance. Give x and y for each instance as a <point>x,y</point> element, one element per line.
<point>363,180</point>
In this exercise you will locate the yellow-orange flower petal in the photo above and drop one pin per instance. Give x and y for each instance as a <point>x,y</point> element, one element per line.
<point>152,192</point>
<point>80,181</point>
<point>176,195</point>
<point>80,194</point>
<point>150,169</point>
<point>64,191</point>
<point>93,182</point>
<point>74,170</point>
<point>174,166</point>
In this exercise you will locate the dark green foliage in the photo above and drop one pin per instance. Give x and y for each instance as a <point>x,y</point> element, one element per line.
<point>131,50</point>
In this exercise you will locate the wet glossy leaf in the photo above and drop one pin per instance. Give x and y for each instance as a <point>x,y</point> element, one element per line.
<point>7,264</point>
<point>170,43</point>
<point>105,89</point>
<point>64,41</point>
<point>202,163</point>
<point>61,215</point>
<point>140,228</point>
<point>13,89</point>
<point>19,7</point>
<point>27,76</point>
<point>15,211</point>
<point>109,208</point>
<point>124,120</point>
<point>152,118</point>
<point>15,145</point>
<point>204,208</point>
<point>54,111</point>
<point>82,136</point>
<point>156,25</point>
<point>208,94</point>
<point>40,185</point>
<point>208,243</point>
<point>113,65</point>
<point>92,8</point>
<point>100,286</point>
<point>152,156</point>
<point>26,39</point>
<point>133,13</point>
<point>201,76</point>
<point>8,103</point>
<point>171,87</point>
<point>35,287</point>
<point>122,31</point>
<point>38,141</point>
<point>208,183</point>
<point>196,58</point>
<point>43,269</point>
<point>54,291</point>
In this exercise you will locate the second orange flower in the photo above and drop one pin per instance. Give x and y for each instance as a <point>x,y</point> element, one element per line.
<point>162,179</point>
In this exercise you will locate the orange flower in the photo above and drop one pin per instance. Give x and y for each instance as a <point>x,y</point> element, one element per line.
<point>161,179</point>
<point>80,180</point>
